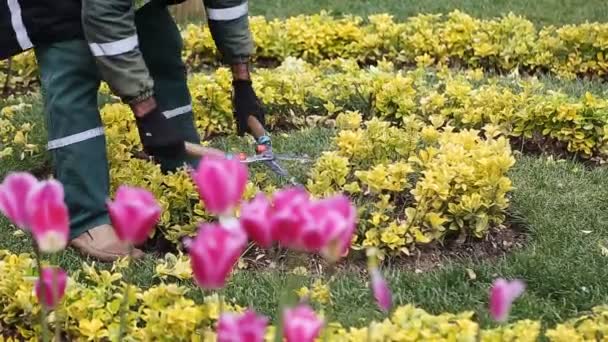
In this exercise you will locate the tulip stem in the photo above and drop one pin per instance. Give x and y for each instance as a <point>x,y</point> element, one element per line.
<point>274,255</point>
<point>55,291</point>
<point>125,298</point>
<point>202,333</point>
<point>278,334</point>
<point>57,320</point>
<point>220,296</point>
<point>43,311</point>
<point>331,271</point>
<point>284,298</point>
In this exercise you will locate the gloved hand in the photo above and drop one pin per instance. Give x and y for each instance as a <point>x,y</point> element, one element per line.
<point>246,103</point>
<point>159,137</point>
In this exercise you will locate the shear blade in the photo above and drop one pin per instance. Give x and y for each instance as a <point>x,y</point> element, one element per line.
<point>274,166</point>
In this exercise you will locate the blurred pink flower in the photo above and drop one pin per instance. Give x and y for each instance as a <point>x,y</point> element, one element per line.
<point>300,324</point>
<point>13,197</point>
<point>381,291</point>
<point>51,298</point>
<point>48,216</point>
<point>325,226</point>
<point>247,327</point>
<point>337,224</point>
<point>298,222</point>
<point>289,216</point>
<point>214,252</point>
<point>255,219</point>
<point>502,295</point>
<point>221,183</point>
<point>134,213</point>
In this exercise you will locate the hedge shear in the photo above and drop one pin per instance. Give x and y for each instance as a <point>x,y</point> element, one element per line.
<point>263,155</point>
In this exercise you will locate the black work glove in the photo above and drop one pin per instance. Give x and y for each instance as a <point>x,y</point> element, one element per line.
<point>246,103</point>
<point>159,137</point>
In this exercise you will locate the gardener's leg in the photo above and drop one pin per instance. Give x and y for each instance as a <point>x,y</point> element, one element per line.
<point>77,145</point>
<point>161,45</point>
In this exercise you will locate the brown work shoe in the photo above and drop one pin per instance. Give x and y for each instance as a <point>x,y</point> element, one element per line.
<point>102,244</point>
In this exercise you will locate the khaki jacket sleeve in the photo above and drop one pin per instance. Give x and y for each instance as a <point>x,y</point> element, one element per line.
<point>229,25</point>
<point>109,28</point>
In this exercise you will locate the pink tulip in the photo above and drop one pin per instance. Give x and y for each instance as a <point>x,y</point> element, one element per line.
<point>13,197</point>
<point>48,216</point>
<point>330,224</point>
<point>317,226</point>
<point>502,295</point>
<point>301,324</point>
<point>290,216</point>
<point>214,252</point>
<point>381,291</point>
<point>247,327</point>
<point>289,197</point>
<point>343,232</point>
<point>314,235</point>
<point>337,223</point>
<point>134,213</point>
<point>255,219</point>
<point>221,183</point>
<point>54,280</point>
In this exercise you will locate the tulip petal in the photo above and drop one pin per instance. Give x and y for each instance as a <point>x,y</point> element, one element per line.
<point>247,327</point>
<point>301,324</point>
<point>221,183</point>
<point>13,197</point>
<point>134,213</point>
<point>52,294</point>
<point>502,295</point>
<point>255,219</point>
<point>214,252</point>
<point>48,216</point>
<point>381,291</point>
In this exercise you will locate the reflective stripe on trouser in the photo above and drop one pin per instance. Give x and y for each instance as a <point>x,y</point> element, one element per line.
<point>76,142</point>
<point>161,44</point>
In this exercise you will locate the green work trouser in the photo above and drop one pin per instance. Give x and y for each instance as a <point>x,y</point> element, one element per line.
<point>70,84</point>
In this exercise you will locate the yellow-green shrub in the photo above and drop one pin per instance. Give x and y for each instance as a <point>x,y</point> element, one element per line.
<point>23,73</point>
<point>89,310</point>
<point>163,312</point>
<point>15,132</point>
<point>507,43</point>
<point>297,94</point>
<point>404,155</point>
<point>456,183</point>
<point>590,327</point>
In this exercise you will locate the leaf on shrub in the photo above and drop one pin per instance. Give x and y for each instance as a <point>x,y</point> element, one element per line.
<point>420,237</point>
<point>471,274</point>
<point>6,152</point>
<point>300,270</point>
<point>242,264</point>
<point>604,250</point>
